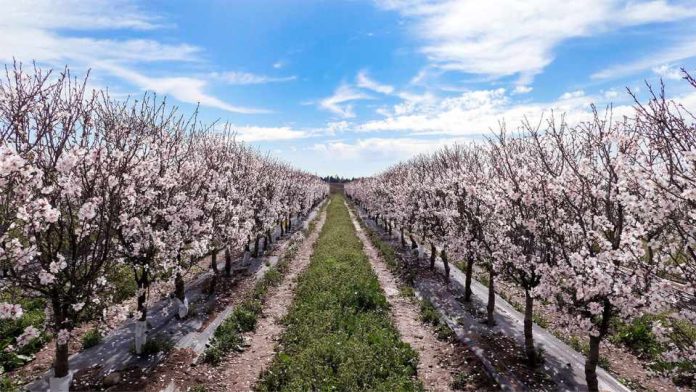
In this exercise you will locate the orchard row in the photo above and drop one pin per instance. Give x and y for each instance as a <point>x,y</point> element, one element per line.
<point>89,184</point>
<point>597,218</point>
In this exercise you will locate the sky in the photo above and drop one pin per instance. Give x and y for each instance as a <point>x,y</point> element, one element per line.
<point>352,87</point>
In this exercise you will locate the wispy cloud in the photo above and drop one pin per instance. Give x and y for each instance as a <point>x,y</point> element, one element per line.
<point>56,33</point>
<point>252,133</point>
<point>339,102</point>
<point>36,30</point>
<point>245,78</point>
<point>477,112</point>
<point>510,37</point>
<point>185,89</point>
<point>677,52</point>
<point>366,82</point>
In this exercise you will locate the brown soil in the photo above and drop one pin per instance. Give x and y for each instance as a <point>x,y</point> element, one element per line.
<point>436,365</point>
<point>622,363</point>
<point>43,359</point>
<point>240,371</point>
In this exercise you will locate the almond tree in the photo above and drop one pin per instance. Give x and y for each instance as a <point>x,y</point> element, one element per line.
<point>58,240</point>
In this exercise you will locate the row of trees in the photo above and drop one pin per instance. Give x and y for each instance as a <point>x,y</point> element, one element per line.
<point>597,217</point>
<point>89,184</point>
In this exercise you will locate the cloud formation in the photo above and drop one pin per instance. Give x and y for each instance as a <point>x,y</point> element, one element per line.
<point>510,37</point>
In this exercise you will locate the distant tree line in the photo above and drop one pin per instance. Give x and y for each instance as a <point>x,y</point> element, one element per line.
<point>339,179</point>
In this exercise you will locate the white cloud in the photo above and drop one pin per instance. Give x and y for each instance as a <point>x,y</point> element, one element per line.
<point>336,126</point>
<point>278,64</point>
<point>509,37</point>
<point>56,33</point>
<point>668,72</point>
<point>337,103</point>
<point>366,82</point>
<point>244,78</point>
<point>477,112</point>
<point>520,89</point>
<point>184,89</point>
<point>35,30</point>
<point>75,15</point>
<point>673,54</point>
<point>572,94</point>
<point>385,150</point>
<point>611,94</point>
<point>252,133</point>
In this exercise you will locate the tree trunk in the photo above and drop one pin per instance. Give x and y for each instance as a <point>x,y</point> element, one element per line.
<point>60,366</point>
<point>213,261</point>
<point>179,287</point>
<point>143,285</point>
<point>390,228</point>
<point>528,330</point>
<point>268,239</point>
<point>403,239</point>
<point>282,227</point>
<point>228,262</point>
<point>433,255</point>
<point>414,244</point>
<point>467,282</point>
<point>593,354</point>
<point>447,267</point>
<point>213,265</point>
<point>490,308</point>
<point>256,247</point>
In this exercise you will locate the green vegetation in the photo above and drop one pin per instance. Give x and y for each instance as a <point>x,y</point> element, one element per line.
<point>228,336</point>
<point>157,344</point>
<point>10,329</point>
<point>339,334</point>
<point>429,315</point>
<point>123,281</point>
<point>8,385</point>
<point>638,337</point>
<point>462,380</point>
<point>91,338</point>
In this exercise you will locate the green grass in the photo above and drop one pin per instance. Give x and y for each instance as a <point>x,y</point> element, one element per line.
<point>339,335</point>
<point>638,337</point>
<point>34,315</point>
<point>228,336</point>
<point>91,338</point>
<point>429,315</point>
<point>159,343</point>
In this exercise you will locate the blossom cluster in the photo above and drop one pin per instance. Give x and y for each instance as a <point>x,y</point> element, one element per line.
<point>88,184</point>
<point>597,217</point>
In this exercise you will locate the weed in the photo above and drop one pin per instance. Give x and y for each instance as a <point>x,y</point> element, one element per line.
<point>461,381</point>
<point>91,338</point>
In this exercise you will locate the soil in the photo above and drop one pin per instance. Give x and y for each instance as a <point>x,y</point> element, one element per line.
<point>43,359</point>
<point>240,371</point>
<point>439,361</point>
<point>623,364</point>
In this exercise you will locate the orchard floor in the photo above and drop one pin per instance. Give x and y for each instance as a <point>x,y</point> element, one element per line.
<point>337,321</point>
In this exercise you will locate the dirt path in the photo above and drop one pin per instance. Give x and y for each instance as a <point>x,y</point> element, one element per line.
<point>431,351</point>
<point>241,371</point>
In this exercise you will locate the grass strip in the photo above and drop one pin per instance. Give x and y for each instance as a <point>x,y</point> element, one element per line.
<point>339,334</point>
<point>228,336</point>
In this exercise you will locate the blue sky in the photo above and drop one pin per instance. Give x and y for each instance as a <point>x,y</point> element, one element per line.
<point>351,87</point>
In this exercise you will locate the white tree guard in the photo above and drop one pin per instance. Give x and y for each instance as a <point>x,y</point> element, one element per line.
<point>60,384</point>
<point>182,307</point>
<point>140,336</point>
